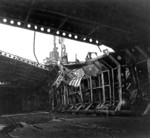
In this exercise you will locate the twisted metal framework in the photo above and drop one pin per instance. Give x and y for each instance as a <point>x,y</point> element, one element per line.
<point>121,88</point>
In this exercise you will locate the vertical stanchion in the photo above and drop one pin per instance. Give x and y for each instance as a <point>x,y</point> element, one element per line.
<point>91,89</point>
<point>119,81</point>
<point>109,85</point>
<point>103,87</point>
<point>113,85</point>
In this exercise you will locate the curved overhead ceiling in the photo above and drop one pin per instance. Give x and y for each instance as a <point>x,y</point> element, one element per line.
<point>110,22</point>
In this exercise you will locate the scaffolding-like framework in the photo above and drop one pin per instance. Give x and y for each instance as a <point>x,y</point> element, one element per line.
<point>115,89</point>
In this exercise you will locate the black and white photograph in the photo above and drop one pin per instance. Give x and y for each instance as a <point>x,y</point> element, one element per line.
<point>74,68</point>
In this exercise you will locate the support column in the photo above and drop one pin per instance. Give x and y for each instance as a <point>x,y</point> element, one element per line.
<point>91,89</point>
<point>103,87</point>
<point>119,82</point>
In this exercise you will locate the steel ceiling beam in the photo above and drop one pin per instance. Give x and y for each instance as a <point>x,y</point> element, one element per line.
<point>92,31</point>
<point>63,22</point>
<point>86,21</point>
<point>29,12</point>
<point>54,32</point>
<point>69,16</point>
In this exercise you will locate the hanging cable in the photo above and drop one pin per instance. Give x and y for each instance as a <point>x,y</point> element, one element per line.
<point>34,47</point>
<point>99,48</point>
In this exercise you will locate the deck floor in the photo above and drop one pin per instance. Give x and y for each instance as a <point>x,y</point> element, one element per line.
<point>73,126</point>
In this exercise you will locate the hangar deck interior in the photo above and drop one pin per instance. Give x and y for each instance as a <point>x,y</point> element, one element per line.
<point>121,25</point>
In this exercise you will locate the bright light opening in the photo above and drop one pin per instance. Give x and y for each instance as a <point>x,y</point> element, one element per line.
<point>29,25</point>
<point>5,20</point>
<point>48,30</point>
<point>75,36</point>
<point>84,39</point>
<point>42,29</point>
<point>57,32</point>
<point>90,40</point>
<point>35,27</point>
<point>12,22</point>
<point>19,23</point>
<point>64,34</point>
<point>70,35</point>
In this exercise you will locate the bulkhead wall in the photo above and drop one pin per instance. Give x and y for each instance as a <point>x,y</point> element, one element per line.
<point>21,100</point>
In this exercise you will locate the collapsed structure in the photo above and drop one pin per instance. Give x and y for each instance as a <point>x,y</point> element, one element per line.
<point>113,83</point>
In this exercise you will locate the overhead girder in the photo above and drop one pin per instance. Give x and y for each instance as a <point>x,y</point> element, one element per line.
<point>109,23</point>
<point>32,8</point>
